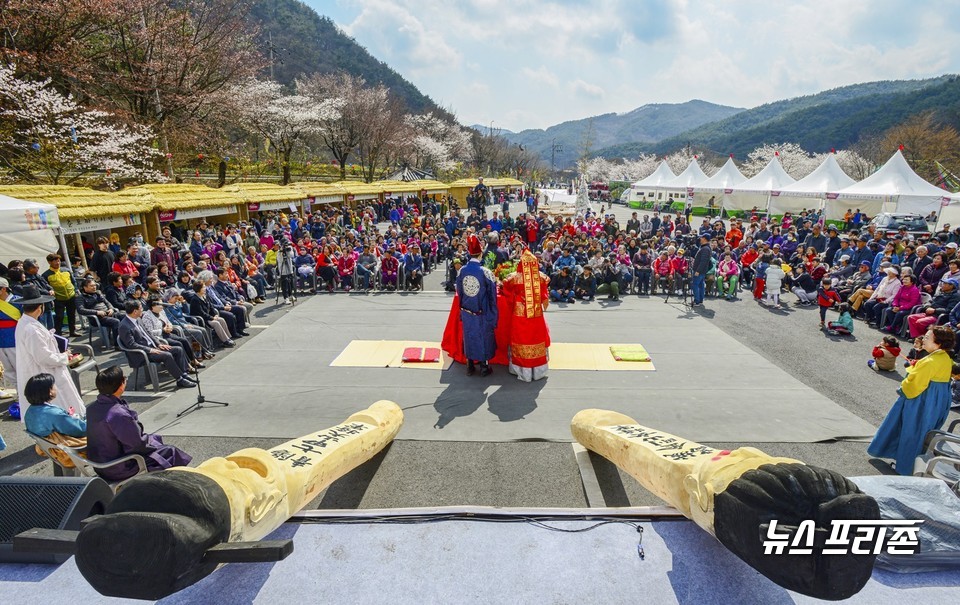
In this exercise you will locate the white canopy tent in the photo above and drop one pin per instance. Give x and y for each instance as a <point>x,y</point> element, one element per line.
<point>895,187</point>
<point>640,189</point>
<point>755,191</point>
<point>680,186</point>
<point>723,182</point>
<point>27,229</point>
<point>949,214</point>
<point>810,191</point>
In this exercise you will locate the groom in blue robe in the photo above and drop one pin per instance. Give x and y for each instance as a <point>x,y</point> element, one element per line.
<point>477,291</point>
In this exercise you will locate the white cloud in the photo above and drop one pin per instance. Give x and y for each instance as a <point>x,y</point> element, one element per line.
<point>587,89</point>
<point>531,64</point>
<point>541,75</point>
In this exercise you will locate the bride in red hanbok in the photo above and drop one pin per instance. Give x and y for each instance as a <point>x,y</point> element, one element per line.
<point>527,291</point>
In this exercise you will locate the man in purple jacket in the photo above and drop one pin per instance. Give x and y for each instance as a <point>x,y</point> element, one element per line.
<point>114,431</point>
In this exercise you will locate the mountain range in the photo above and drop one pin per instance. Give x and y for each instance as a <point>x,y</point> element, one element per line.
<point>834,118</point>
<point>647,124</point>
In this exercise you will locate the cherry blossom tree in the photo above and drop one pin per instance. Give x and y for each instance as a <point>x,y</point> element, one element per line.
<point>795,160</point>
<point>343,133</point>
<point>46,136</point>
<point>434,143</point>
<point>855,165</point>
<point>285,121</point>
<point>602,169</point>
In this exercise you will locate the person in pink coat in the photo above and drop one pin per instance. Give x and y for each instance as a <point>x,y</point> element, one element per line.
<point>907,297</point>
<point>941,303</point>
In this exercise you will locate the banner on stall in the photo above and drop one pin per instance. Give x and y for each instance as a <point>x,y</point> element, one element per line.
<point>86,225</point>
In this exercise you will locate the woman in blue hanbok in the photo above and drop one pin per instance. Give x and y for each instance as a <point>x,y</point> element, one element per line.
<point>923,404</point>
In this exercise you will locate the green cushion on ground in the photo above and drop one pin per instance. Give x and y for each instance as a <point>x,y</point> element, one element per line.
<point>629,353</point>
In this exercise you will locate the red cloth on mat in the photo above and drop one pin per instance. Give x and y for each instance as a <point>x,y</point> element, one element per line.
<point>421,355</point>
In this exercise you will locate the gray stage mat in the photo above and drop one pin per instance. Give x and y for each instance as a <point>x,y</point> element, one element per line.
<point>707,387</point>
<point>484,562</point>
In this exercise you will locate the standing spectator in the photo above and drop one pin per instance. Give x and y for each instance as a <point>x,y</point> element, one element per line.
<point>9,316</point>
<point>774,281</point>
<point>38,353</point>
<point>64,295</point>
<point>102,261</point>
<point>826,298</point>
<point>163,253</point>
<point>701,265</point>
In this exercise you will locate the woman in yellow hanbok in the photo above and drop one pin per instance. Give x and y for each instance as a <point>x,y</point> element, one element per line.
<point>923,404</point>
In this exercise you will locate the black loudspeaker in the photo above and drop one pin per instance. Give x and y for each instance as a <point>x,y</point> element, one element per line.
<point>49,503</point>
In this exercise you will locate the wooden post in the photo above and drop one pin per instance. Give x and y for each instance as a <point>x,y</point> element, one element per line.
<point>735,494</point>
<point>155,536</point>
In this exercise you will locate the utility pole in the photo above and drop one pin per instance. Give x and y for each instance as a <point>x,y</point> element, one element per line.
<point>554,149</point>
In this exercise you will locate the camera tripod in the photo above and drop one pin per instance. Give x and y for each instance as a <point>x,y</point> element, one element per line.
<point>685,295</point>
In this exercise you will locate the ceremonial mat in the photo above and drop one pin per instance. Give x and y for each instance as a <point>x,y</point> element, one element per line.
<point>563,356</point>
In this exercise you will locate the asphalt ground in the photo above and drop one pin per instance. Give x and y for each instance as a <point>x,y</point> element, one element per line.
<point>546,474</point>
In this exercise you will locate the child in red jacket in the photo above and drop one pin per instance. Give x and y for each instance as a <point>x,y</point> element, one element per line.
<point>826,298</point>
<point>885,355</point>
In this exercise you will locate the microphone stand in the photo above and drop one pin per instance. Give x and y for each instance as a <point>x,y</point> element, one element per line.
<point>202,401</point>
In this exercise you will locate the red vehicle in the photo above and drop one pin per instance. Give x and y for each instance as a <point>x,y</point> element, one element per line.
<point>598,191</point>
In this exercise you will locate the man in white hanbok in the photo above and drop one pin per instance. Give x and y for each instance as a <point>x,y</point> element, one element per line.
<point>37,353</point>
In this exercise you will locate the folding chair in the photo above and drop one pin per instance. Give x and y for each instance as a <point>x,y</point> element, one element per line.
<point>90,363</point>
<point>94,325</point>
<point>941,458</point>
<point>87,468</point>
<point>48,448</point>
<point>138,360</point>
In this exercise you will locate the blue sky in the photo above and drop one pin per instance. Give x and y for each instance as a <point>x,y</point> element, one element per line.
<point>532,64</point>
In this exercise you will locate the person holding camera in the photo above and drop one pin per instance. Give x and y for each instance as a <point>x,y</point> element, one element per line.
<point>610,278</point>
<point>701,265</point>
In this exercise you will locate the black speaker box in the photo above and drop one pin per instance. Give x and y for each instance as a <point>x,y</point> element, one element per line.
<point>49,503</point>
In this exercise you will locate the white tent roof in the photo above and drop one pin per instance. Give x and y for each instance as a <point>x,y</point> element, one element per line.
<point>772,178</point>
<point>661,175</point>
<point>690,176</point>
<point>26,228</point>
<point>727,177</point>
<point>828,176</point>
<point>896,182</point>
